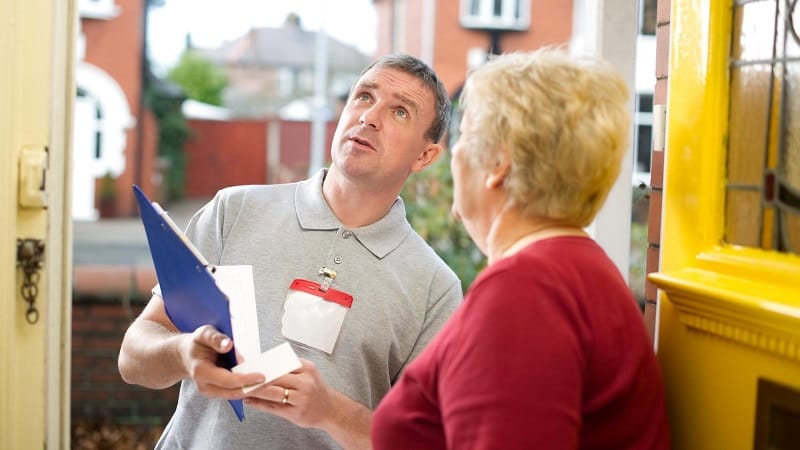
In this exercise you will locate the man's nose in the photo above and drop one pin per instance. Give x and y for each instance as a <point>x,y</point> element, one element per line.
<point>370,118</point>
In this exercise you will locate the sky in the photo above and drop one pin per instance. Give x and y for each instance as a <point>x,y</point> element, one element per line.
<point>211,22</point>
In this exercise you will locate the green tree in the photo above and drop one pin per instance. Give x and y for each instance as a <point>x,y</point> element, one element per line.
<point>192,77</point>
<point>200,79</point>
<point>165,101</point>
<point>428,196</point>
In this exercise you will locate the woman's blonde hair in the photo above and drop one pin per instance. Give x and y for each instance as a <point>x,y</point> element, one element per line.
<point>563,122</point>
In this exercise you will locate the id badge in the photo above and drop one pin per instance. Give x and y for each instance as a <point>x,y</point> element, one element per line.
<point>313,316</point>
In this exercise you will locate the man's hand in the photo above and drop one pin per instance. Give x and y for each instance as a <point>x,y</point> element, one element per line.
<point>309,400</point>
<point>305,399</point>
<point>199,352</point>
<point>156,355</point>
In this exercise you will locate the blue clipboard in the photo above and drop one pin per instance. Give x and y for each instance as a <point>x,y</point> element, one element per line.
<point>191,295</point>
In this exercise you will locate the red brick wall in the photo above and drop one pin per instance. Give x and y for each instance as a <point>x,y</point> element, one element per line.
<point>224,153</point>
<point>98,391</point>
<point>551,23</point>
<point>296,143</point>
<point>657,165</point>
<point>228,153</point>
<point>116,46</point>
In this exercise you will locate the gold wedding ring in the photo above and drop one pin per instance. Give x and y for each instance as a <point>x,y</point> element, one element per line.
<point>285,396</point>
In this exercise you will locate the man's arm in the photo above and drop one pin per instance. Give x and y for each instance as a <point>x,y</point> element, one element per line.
<point>156,355</point>
<point>313,403</point>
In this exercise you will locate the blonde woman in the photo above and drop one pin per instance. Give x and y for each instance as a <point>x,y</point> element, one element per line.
<point>548,350</point>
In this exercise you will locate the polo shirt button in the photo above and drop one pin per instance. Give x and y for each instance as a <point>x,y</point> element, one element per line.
<point>337,259</point>
<point>346,234</point>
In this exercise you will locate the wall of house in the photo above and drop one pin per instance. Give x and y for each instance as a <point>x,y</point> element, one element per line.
<point>551,23</point>
<point>116,46</point>
<point>657,167</point>
<point>98,392</point>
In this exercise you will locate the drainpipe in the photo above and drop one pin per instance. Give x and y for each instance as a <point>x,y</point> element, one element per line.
<point>144,73</point>
<point>494,42</point>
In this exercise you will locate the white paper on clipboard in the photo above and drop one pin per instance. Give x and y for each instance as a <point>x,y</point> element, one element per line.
<point>237,283</point>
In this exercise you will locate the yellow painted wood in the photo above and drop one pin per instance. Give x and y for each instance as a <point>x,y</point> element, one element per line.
<point>36,88</point>
<point>58,341</point>
<point>25,87</point>
<point>727,314</point>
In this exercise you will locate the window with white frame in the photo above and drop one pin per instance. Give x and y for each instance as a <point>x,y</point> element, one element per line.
<point>495,14</point>
<point>643,132</point>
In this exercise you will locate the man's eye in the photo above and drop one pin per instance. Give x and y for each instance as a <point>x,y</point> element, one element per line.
<point>363,97</point>
<point>401,112</point>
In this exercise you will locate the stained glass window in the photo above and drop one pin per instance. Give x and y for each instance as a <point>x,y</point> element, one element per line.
<point>763,168</point>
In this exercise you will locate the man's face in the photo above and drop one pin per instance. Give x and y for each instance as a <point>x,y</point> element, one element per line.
<point>381,133</point>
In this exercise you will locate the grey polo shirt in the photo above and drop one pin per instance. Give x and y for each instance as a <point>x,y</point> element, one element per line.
<point>402,294</point>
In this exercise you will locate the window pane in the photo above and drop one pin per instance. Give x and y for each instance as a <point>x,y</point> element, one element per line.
<point>791,231</point>
<point>789,162</point>
<point>494,14</point>
<point>647,20</point>
<point>753,31</point>
<point>743,218</point>
<point>790,156</point>
<point>763,170</point>
<point>749,122</point>
<point>645,103</point>
<point>793,31</point>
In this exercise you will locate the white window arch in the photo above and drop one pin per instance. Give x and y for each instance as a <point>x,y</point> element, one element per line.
<point>101,117</point>
<point>112,117</point>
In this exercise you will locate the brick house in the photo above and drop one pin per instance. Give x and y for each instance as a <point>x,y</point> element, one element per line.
<point>453,36</point>
<point>114,134</point>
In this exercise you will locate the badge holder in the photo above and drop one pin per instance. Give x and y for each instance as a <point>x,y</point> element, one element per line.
<point>313,313</point>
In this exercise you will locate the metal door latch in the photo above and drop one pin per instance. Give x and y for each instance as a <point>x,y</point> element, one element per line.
<point>30,257</point>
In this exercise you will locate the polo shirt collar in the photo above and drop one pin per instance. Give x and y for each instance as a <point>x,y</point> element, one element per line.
<point>380,238</point>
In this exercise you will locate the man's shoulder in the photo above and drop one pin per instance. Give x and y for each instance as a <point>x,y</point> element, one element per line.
<point>249,193</point>
<point>244,190</point>
<point>424,252</point>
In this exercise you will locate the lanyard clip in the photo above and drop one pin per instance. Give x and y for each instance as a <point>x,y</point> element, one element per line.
<point>328,275</point>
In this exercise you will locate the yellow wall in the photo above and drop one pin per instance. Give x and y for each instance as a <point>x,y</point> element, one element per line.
<point>36,87</point>
<point>727,315</point>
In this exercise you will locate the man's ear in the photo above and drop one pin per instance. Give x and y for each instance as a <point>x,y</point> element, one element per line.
<point>497,174</point>
<point>427,157</point>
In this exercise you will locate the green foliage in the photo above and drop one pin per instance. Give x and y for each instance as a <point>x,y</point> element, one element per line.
<point>639,243</point>
<point>199,78</point>
<point>172,134</point>
<point>638,261</point>
<point>108,188</point>
<point>428,196</point>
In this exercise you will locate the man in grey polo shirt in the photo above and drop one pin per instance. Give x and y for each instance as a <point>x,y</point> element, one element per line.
<point>346,220</point>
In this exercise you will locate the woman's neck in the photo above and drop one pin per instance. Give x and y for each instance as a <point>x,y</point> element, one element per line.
<point>511,232</point>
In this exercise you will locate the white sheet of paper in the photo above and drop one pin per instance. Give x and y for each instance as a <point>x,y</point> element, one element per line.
<point>273,363</point>
<point>237,283</point>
